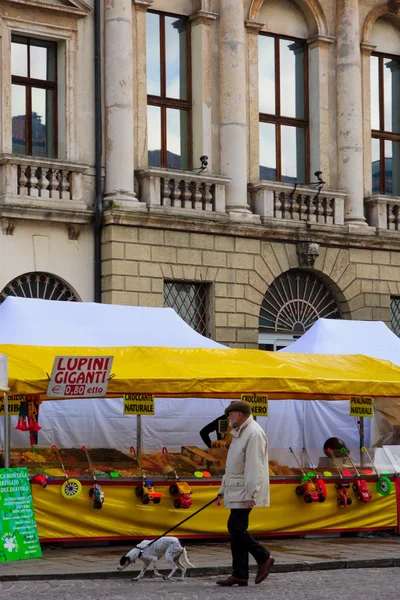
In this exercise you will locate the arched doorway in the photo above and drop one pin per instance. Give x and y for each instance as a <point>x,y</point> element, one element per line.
<point>39,284</point>
<point>292,304</point>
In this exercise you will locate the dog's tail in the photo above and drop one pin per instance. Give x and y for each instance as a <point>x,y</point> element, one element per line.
<point>185,557</point>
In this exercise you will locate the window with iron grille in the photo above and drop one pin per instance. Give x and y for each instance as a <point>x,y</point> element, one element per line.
<point>395,314</point>
<point>189,300</point>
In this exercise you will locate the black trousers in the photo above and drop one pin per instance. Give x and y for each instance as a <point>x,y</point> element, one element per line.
<point>243,543</point>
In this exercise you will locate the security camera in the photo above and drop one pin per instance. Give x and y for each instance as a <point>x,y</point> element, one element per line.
<point>204,161</point>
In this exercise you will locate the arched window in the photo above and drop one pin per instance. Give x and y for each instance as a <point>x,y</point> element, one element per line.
<point>385,108</point>
<point>294,301</point>
<point>39,285</point>
<point>283,94</point>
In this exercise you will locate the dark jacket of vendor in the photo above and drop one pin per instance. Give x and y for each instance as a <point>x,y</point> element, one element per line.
<point>219,425</point>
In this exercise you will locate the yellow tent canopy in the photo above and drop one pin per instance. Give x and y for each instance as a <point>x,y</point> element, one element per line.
<point>201,372</point>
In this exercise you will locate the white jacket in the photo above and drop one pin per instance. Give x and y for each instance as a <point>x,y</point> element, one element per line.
<point>246,473</point>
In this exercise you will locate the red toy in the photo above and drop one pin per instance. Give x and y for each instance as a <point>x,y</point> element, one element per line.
<point>311,491</point>
<point>362,491</point>
<point>360,486</point>
<point>42,480</point>
<point>182,489</point>
<point>343,499</point>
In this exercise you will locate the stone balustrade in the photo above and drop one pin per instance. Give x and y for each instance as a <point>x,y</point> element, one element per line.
<point>383,212</point>
<point>40,181</point>
<point>184,191</point>
<point>280,201</point>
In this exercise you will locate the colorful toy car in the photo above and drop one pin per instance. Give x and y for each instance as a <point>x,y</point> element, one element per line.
<point>362,491</point>
<point>343,499</point>
<point>312,491</point>
<point>147,493</point>
<point>183,490</point>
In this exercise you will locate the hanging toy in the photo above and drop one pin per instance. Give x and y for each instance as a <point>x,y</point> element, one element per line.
<point>71,488</point>
<point>383,485</point>
<point>42,480</point>
<point>95,492</point>
<point>97,495</point>
<point>22,424</point>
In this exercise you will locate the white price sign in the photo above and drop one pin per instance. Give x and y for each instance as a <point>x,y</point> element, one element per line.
<point>79,376</point>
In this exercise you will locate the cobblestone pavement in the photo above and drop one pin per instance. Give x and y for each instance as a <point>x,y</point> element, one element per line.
<point>213,558</point>
<point>354,584</point>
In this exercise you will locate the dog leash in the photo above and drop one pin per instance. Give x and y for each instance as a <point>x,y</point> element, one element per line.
<point>178,524</point>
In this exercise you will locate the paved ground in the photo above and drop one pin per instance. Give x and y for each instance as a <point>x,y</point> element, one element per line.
<point>213,558</point>
<point>354,584</point>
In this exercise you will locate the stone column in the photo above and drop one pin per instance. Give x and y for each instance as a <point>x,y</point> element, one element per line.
<point>319,106</point>
<point>349,110</point>
<point>366,51</point>
<point>141,83</point>
<point>233,117</point>
<point>119,138</point>
<point>202,58</point>
<point>253,30</point>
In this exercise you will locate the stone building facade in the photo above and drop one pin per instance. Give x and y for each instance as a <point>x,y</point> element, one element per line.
<point>250,165</point>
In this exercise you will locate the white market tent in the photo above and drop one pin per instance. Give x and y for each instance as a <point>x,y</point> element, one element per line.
<point>28,321</point>
<point>102,424</point>
<point>334,336</point>
<point>75,422</point>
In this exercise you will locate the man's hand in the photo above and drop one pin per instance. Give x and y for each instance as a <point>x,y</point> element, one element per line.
<point>250,503</point>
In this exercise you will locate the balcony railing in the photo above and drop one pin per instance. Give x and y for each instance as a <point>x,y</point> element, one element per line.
<point>303,204</point>
<point>41,182</point>
<point>183,191</point>
<point>383,212</point>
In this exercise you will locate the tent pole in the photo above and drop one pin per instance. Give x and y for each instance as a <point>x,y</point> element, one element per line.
<point>6,433</point>
<point>139,439</point>
<point>361,429</point>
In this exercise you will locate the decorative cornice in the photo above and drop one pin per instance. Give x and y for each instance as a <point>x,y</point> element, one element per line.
<point>8,226</point>
<point>367,49</point>
<point>143,5</point>
<point>77,8</point>
<point>320,40</point>
<point>74,230</point>
<point>254,26</point>
<point>203,17</point>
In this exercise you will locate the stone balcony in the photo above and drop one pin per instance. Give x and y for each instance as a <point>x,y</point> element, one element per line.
<point>41,188</point>
<point>281,203</point>
<point>182,193</point>
<point>383,212</point>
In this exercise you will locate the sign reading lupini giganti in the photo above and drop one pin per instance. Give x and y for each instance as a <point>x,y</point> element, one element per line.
<point>19,538</point>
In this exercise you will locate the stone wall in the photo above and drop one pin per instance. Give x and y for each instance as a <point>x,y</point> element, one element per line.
<point>240,269</point>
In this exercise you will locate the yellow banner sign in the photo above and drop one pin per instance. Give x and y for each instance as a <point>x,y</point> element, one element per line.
<point>259,404</point>
<point>361,407</point>
<point>138,404</point>
<point>13,405</point>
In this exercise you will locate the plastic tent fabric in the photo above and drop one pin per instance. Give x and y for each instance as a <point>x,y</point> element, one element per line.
<point>372,338</point>
<point>102,424</point>
<point>34,322</point>
<point>214,372</point>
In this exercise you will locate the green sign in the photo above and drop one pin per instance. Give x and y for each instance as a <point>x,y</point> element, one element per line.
<point>19,537</point>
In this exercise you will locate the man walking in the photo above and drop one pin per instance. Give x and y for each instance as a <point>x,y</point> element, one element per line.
<point>245,486</point>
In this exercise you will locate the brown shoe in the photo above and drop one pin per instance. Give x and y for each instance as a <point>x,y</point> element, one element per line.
<point>263,570</point>
<point>232,581</point>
